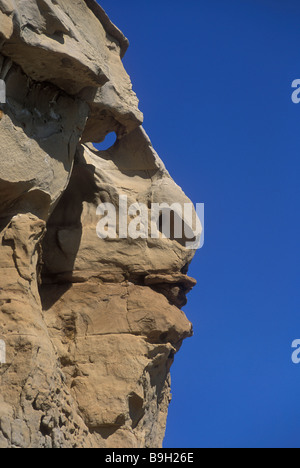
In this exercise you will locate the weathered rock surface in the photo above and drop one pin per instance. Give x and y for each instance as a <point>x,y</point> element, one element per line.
<point>91,325</point>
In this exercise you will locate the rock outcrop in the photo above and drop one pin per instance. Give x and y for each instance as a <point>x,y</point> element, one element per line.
<point>91,326</point>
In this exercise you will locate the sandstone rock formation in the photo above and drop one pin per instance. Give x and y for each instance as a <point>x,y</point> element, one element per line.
<point>91,326</point>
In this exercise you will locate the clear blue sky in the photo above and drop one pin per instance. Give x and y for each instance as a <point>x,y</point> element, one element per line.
<point>214,81</point>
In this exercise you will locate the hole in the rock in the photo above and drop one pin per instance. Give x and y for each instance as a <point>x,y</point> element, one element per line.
<point>109,141</point>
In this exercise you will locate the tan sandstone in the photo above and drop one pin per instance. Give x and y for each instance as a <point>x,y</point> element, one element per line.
<point>91,326</point>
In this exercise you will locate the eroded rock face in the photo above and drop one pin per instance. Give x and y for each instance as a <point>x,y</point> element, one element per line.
<point>91,326</point>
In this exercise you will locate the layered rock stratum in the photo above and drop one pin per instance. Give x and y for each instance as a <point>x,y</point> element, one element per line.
<point>91,326</point>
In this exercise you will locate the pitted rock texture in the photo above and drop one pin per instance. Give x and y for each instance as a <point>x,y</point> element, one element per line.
<point>91,326</point>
